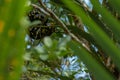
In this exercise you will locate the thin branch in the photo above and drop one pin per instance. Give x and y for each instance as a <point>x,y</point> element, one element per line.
<point>41,10</point>
<point>54,16</point>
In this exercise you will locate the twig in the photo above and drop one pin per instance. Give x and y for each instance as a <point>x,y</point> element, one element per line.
<point>62,24</point>
<point>41,10</point>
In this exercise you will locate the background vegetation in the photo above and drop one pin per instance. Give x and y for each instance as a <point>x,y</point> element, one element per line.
<point>59,40</point>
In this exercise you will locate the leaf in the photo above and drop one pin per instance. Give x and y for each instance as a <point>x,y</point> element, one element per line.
<point>99,36</point>
<point>96,68</point>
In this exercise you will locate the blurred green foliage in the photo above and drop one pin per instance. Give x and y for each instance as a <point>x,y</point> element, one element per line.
<point>11,38</point>
<point>93,54</point>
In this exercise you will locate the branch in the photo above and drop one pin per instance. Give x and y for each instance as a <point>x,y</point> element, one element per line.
<point>41,10</point>
<point>62,24</point>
